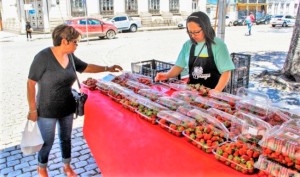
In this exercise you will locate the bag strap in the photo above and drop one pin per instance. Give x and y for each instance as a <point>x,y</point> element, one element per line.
<point>73,66</point>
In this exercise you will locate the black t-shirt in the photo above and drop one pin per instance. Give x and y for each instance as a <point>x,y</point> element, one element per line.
<point>54,97</point>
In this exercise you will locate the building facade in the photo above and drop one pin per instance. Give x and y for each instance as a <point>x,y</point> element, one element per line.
<point>44,15</point>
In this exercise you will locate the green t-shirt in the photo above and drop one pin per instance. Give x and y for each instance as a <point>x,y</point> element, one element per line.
<point>219,49</point>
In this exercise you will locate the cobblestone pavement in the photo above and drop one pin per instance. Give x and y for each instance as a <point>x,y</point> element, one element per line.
<point>16,56</point>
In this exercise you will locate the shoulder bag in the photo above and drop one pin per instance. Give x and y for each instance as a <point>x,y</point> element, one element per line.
<point>79,97</point>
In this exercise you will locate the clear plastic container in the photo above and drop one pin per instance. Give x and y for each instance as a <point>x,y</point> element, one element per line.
<point>103,86</point>
<point>276,117</point>
<point>206,103</point>
<point>148,110</point>
<point>170,102</point>
<point>142,79</point>
<point>174,82</point>
<point>274,169</point>
<point>282,144</point>
<point>254,102</point>
<point>238,155</point>
<point>223,96</point>
<point>232,123</point>
<point>130,101</point>
<point>187,96</point>
<point>116,92</point>
<point>89,83</point>
<point>150,93</point>
<point>136,86</point>
<point>206,137</point>
<point>201,89</point>
<point>184,109</point>
<point>174,122</point>
<point>253,128</point>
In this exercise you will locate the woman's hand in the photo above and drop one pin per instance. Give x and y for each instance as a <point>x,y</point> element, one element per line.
<point>114,68</point>
<point>161,77</point>
<point>32,115</point>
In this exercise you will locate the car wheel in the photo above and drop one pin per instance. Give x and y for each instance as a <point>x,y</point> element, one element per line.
<point>110,34</point>
<point>133,28</point>
<point>230,24</point>
<point>284,25</point>
<point>273,25</point>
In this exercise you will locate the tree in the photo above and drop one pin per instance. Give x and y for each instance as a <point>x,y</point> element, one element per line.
<point>291,68</point>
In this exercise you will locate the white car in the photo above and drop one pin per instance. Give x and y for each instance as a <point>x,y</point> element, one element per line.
<point>228,21</point>
<point>283,20</point>
<point>181,24</point>
<point>125,23</point>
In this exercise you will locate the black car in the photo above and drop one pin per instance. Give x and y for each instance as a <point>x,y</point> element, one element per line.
<point>264,20</point>
<point>240,21</point>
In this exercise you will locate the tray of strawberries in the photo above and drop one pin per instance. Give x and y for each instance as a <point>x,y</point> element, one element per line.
<point>253,128</point>
<point>205,136</point>
<point>226,97</point>
<point>116,92</point>
<point>142,79</point>
<point>174,122</point>
<point>238,155</point>
<point>187,96</point>
<point>170,102</point>
<point>148,110</point>
<point>103,86</point>
<point>282,144</point>
<point>136,86</point>
<point>174,84</point>
<point>232,123</point>
<point>276,117</point>
<point>89,83</point>
<point>130,101</point>
<point>206,103</point>
<point>272,169</point>
<point>200,89</point>
<point>151,94</point>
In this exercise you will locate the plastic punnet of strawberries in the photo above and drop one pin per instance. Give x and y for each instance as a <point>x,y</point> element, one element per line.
<point>90,83</point>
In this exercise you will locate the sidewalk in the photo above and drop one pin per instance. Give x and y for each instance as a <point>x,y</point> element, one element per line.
<point>9,36</point>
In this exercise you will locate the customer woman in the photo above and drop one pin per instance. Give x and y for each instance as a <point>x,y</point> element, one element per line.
<point>205,55</point>
<point>52,71</point>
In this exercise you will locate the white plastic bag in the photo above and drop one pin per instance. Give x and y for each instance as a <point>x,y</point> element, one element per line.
<point>32,140</point>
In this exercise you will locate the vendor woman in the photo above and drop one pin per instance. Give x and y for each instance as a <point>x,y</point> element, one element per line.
<point>206,56</point>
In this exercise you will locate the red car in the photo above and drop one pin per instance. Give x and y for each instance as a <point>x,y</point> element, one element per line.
<point>93,27</point>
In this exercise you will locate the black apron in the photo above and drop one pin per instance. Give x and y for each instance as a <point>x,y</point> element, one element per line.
<point>203,70</point>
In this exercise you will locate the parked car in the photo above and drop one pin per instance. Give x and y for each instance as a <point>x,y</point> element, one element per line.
<point>93,27</point>
<point>228,21</point>
<point>264,20</point>
<point>181,24</point>
<point>125,23</point>
<point>283,20</point>
<point>240,21</point>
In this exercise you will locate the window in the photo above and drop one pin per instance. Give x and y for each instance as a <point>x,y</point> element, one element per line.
<point>154,6</point>
<point>174,6</point>
<point>106,7</point>
<point>77,8</point>
<point>131,6</point>
<point>94,22</point>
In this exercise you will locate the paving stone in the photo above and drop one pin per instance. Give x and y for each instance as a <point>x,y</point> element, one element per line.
<point>79,170</point>
<point>55,150</point>
<point>30,169</point>
<point>98,175</point>
<point>18,151</point>
<point>12,163</point>
<point>75,154</point>
<point>33,162</point>
<point>28,174</point>
<point>9,149</point>
<point>7,170</point>
<point>74,160</point>
<point>85,151</point>
<point>54,173</point>
<point>80,164</point>
<point>4,154</point>
<point>91,160</point>
<point>28,158</point>
<point>14,173</point>
<point>22,165</point>
<point>88,173</point>
<point>3,165</point>
<point>84,157</point>
<point>90,167</point>
<point>14,157</point>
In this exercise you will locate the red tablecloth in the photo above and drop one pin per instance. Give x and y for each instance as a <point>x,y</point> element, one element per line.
<point>125,145</point>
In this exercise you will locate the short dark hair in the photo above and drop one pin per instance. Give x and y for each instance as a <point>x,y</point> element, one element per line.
<point>64,31</point>
<point>204,22</point>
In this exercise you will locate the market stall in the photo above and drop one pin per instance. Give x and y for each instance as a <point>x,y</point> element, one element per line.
<point>125,145</point>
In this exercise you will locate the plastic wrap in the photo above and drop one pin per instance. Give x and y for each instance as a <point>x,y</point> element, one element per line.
<point>170,102</point>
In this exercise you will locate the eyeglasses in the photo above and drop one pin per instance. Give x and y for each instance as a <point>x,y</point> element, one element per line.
<point>194,32</point>
<point>75,42</point>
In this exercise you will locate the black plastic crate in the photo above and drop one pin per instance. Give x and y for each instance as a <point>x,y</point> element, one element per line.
<point>240,75</point>
<point>150,67</point>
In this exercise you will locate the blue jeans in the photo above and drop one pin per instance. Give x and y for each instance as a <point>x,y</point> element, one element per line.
<point>47,128</point>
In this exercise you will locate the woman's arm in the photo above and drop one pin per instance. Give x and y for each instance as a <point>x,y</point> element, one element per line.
<point>225,76</point>
<point>173,72</point>
<point>91,68</point>
<point>32,113</point>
